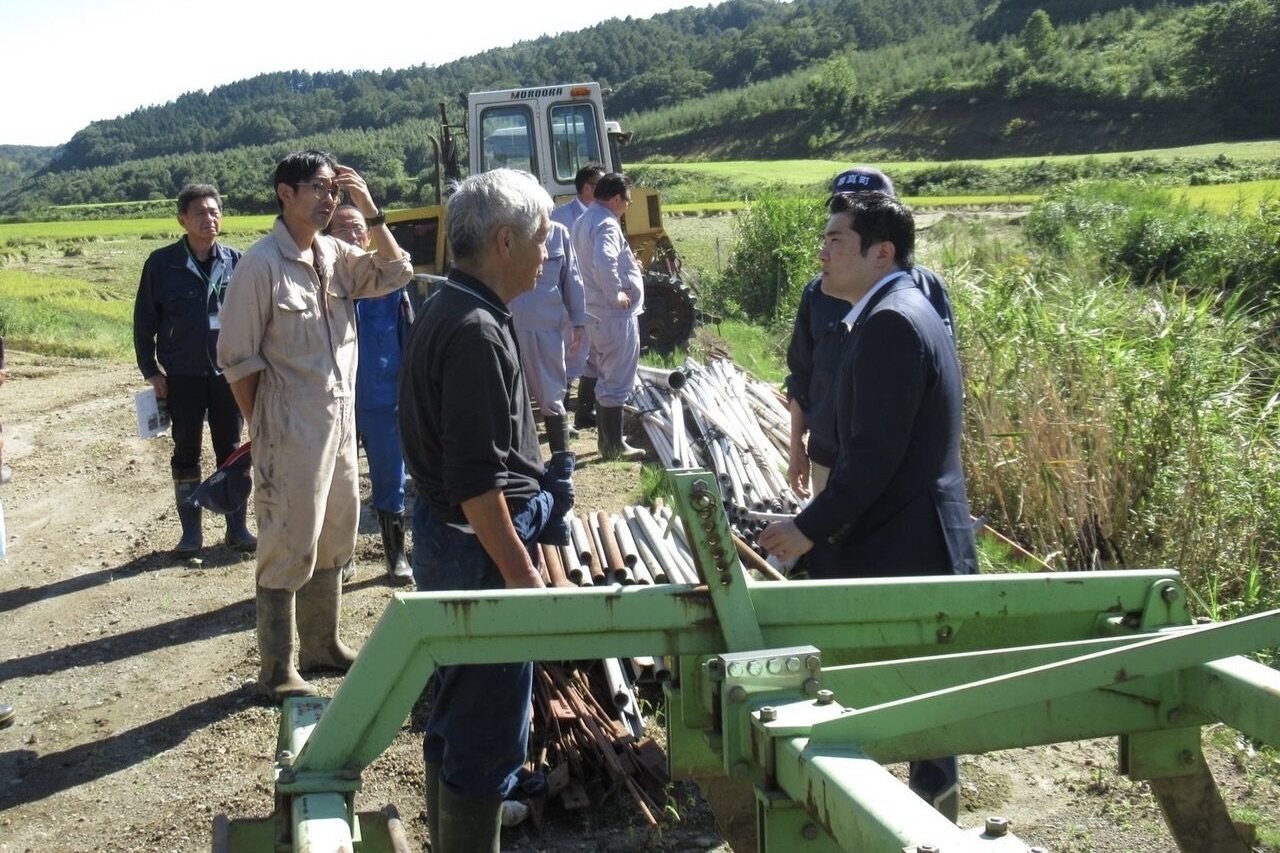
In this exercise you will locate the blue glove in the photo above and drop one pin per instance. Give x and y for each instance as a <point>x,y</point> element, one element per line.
<point>557,481</point>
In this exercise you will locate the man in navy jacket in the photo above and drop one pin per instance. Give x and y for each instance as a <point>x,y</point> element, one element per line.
<point>814,351</point>
<point>175,339</point>
<point>895,504</point>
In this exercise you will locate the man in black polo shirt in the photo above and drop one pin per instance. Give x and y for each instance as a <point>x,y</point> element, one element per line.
<point>483,496</point>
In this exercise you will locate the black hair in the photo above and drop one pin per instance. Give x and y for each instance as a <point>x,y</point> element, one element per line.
<point>877,217</point>
<point>612,185</point>
<point>299,167</point>
<point>587,174</point>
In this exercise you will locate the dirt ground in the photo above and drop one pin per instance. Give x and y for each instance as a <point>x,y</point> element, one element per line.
<point>132,672</point>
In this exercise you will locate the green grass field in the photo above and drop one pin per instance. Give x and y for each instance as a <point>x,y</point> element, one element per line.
<point>806,172</point>
<point>14,233</point>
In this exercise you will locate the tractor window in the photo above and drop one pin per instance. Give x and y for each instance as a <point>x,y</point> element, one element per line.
<point>575,139</point>
<point>507,141</point>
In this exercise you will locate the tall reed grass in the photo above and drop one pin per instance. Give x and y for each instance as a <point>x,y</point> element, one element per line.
<point>1114,423</point>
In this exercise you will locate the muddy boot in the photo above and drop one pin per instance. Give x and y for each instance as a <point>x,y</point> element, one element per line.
<point>278,679</point>
<point>557,427</point>
<point>433,805</point>
<point>319,610</point>
<point>584,413</point>
<point>189,514</point>
<point>392,526</point>
<point>609,441</point>
<point>568,407</point>
<point>238,536</point>
<point>468,824</point>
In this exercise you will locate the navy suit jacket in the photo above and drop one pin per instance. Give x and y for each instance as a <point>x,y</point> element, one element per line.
<point>895,504</point>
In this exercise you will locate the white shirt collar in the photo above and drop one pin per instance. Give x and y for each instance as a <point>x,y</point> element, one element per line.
<point>852,317</point>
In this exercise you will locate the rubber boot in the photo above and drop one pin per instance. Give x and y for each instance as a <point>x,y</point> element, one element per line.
<point>278,679</point>
<point>238,536</point>
<point>6,473</point>
<point>568,407</point>
<point>610,442</point>
<point>468,824</point>
<point>319,609</point>
<point>189,514</point>
<point>7,715</point>
<point>433,805</point>
<point>584,413</point>
<point>557,427</point>
<point>392,526</point>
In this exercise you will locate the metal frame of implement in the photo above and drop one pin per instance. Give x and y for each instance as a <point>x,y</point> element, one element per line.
<point>801,692</point>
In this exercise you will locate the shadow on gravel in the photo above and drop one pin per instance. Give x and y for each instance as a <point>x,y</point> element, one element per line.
<point>230,619</point>
<point>216,557</point>
<point>26,777</point>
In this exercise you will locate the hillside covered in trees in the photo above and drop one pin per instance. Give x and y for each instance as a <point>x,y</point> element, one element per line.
<point>756,79</point>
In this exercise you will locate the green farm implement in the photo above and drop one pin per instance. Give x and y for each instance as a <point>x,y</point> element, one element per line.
<point>788,698</point>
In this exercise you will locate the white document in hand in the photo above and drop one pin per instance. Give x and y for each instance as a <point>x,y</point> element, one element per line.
<point>153,414</point>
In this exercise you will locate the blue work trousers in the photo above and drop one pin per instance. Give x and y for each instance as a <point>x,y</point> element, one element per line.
<point>478,729</point>
<point>379,431</point>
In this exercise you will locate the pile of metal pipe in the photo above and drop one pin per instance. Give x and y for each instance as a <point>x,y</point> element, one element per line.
<point>717,416</point>
<point>637,546</point>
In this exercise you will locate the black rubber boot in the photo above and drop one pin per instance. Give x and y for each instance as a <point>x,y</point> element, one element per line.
<point>609,441</point>
<point>189,514</point>
<point>238,536</point>
<point>433,805</point>
<point>468,824</point>
<point>392,527</point>
<point>557,427</point>
<point>319,611</point>
<point>584,414</point>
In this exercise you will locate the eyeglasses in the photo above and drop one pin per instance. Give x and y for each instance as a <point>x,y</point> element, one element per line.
<point>322,190</point>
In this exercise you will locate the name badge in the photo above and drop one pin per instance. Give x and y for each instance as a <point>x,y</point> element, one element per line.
<point>214,324</point>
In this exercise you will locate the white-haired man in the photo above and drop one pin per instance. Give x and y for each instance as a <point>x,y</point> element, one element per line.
<point>484,497</point>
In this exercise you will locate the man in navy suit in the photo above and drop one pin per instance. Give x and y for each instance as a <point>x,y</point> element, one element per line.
<point>895,504</point>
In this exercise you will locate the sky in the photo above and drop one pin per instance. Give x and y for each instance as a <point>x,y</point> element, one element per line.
<point>67,63</point>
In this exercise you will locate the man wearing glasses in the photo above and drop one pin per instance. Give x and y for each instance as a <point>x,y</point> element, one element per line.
<point>288,348</point>
<point>578,365</point>
<point>382,328</point>
<point>614,287</point>
<point>175,333</point>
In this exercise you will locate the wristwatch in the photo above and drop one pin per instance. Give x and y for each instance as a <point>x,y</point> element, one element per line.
<point>379,218</point>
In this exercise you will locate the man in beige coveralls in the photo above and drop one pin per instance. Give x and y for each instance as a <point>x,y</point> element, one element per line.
<point>288,349</point>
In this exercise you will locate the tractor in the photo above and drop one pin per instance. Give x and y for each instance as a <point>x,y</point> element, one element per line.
<point>550,132</point>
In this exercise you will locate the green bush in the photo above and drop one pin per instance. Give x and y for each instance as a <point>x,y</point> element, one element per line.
<point>1152,235</point>
<point>775,255</point>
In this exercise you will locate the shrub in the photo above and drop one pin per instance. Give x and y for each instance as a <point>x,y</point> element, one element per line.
<point>775,254</point>
<point>1151,235</point>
